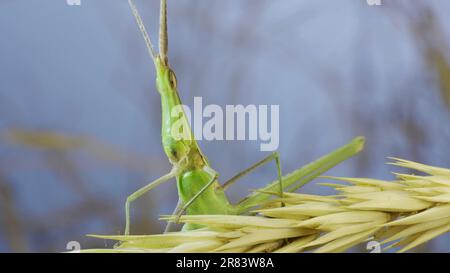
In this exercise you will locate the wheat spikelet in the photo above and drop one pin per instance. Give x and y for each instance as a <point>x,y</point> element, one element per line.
<point>404,213</point>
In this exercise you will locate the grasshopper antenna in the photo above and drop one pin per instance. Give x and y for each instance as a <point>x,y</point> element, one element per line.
<point>140,23</point>
<point>163,37</point>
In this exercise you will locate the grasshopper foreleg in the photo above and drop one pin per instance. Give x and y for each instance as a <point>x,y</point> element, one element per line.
<point>143,190</point>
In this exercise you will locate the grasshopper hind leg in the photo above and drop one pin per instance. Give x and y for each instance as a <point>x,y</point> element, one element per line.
<point>181,208</point>
<point>171,225</point>
<point>272,157</point>
<point>185,206</point>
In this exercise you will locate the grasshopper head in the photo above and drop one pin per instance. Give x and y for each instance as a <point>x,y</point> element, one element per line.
<point>166,80</point>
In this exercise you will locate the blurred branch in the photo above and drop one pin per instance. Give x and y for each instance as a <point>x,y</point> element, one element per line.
<point>429,38</point>
<point>62,143</point>
<point>9,216</point>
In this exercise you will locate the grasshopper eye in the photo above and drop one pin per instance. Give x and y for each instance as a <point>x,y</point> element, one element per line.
<point>172,79</point>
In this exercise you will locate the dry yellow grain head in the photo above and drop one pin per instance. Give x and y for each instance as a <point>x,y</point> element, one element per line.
<point>406,212</point>
<point>336,227</point>
<point>419,205</point>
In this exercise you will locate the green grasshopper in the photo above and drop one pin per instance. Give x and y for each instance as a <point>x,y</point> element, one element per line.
<point>198,188</point>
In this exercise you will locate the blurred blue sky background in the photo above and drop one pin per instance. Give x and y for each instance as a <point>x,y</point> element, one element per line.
<point>336,68</point>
